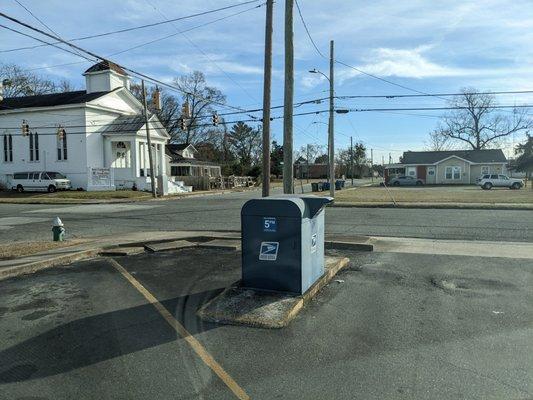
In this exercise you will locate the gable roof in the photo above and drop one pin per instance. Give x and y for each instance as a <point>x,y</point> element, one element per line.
<point>176,148</point>
<point>474,156</point>
<point>49,100</point>
<point>106,66</point>
<point>126,124</point>
<point>130,124</point>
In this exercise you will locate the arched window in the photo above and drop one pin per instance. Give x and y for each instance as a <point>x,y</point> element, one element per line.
<point>8,148</point>
<point>62,144</point>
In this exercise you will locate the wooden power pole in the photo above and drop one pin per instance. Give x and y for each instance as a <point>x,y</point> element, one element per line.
<point>266,99</point>
<point>372,164</point>
<point>351,158</point>
<point>150,157</point>
<point>331,145</point>
<point>288,184</point>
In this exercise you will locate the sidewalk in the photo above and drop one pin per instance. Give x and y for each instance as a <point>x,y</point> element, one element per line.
<point>136,241</point>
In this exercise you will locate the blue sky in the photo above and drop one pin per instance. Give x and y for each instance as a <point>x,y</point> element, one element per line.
<point>430,46</point>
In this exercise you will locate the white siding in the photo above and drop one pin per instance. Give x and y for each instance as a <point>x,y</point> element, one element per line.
<point>45,124</point>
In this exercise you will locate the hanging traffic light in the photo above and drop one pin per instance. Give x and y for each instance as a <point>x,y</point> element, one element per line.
<point>25,128</point>
<point>60,132</point>
<point>183,125</point>
<point>185,110</point>
<point>156,99</point>
<point>215,119</point>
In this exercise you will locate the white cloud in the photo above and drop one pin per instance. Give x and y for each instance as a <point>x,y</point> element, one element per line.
<point>404,63</point>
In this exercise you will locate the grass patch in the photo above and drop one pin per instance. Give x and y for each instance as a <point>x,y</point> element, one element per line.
<point>75,195</point>
<point>441,194</point>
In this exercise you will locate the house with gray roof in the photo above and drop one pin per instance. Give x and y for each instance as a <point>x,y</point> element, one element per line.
<point>84,134</point>
<point>448,167</point>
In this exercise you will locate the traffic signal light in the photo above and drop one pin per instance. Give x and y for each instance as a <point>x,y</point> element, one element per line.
<point>156,99</point>
<point>25,128</point>
<point>215,119</point>
<point>185,110</point>
<point>60,132</point>
<point>182,124</point>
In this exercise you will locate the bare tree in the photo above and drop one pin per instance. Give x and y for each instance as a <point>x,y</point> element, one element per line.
<point>477,124</point>
<point>25,83</point>
<point>169,113</point>
<point>310,152</point>
<point>344,160</point>
<point>438,141</point>
<point>202,99</point>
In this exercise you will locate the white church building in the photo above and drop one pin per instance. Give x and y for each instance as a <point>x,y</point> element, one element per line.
<point>102,144</point>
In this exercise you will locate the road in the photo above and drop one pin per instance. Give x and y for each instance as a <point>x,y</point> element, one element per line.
<point>222,212</point>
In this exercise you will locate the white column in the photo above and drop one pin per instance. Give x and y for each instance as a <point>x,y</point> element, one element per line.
<point>162,162</point>
<point>134,155</point>
<point>108,156</point>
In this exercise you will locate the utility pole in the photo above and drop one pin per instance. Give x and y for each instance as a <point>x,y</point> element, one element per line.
<point>288,184</point>
<point>351,158</point>
<point>372,164</point>
<point>331,147</point>
<point>150,158</point>
<point>390,159</point>
<point>266,99</point>
<point>307,162</point>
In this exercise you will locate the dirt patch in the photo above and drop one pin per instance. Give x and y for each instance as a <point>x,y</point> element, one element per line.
<point>18,249</point>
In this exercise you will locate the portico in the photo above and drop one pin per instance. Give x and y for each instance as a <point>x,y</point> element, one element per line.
<point>126,151</point>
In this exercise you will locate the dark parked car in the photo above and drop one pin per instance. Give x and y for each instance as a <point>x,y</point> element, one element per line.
<point>406,181</point>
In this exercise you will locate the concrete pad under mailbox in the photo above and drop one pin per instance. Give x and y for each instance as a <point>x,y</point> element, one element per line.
<point>240,306</point>
<point>229,244</point>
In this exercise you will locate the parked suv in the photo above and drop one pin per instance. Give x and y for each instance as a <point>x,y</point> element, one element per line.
<point>45,181</point>
<point>489,181</point>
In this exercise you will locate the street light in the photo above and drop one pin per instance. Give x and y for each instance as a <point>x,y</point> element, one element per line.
<point>331,149</point>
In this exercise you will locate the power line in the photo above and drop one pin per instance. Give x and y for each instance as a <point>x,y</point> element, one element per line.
<point>392,96</point>
<point>307,30</point>
<point>206,55</point>
<point>295,105</point>
<point>137,27</point>
<point>435,108</point>
<point>92,54</point>
<point>345,64</point>
<point>151,41</point>
<point>136,130</point>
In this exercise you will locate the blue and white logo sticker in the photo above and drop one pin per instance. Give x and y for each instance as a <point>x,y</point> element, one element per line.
<point>313,242</point>
<point>270,224</point>
<point>269,251</point>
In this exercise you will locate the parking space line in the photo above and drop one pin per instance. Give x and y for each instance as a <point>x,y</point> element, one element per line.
<point>180,329</point>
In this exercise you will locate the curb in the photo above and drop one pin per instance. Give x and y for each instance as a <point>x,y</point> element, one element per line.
<point>121,201</point>
<point>30,268</point>
<point>441,206</point>
<point>126,248</point>
<point>340,245</point>
<point>296,305</point>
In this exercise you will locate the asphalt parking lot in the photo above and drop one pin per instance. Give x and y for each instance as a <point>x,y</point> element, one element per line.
<point>393,326</point>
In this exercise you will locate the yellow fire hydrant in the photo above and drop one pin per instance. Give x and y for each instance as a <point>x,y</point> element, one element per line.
<point>58,230</point>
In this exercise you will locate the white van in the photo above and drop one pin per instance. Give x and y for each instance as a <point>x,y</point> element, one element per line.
<point>45,181</point>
